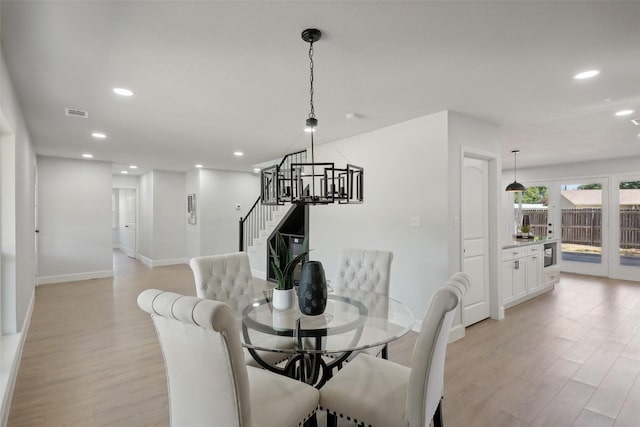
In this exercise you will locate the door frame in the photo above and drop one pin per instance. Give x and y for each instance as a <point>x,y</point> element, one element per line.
<point>130,252</point>
<point>137,206</point>
<point>617,271</point>
<point>496,311</point>
<point>601,269</point>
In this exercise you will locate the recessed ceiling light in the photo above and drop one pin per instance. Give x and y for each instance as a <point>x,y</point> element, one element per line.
<point>586,74</point>
<point>624,112</point>
<point>199,166</point>
<point>87,156</point>
<point>238,153</point>
<point>122,91</point>
<point>133,167</point>
<point>124,172</point>
<point>99,135</point>
<point>256,170</point>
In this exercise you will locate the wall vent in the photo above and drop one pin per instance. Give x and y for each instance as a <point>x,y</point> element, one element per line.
<point>74,112</point>
<point>636,121</point>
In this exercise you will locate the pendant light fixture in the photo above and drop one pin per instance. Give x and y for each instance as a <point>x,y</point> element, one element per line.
<point>311,183</point>
<point>515,186</point>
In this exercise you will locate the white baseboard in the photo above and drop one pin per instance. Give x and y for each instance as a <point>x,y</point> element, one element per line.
<point>456,333</point>
<point>10,355</point>
<point>174,261</point>
<point>162,262</point>
<point>43,280</point>
<point>146,261</point>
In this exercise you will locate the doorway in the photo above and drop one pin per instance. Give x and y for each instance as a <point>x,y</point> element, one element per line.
<point>625,226</point>
<point>124,201</point>
<point>584,222</point>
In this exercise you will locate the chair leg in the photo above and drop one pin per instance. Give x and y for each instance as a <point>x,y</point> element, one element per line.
<point>385,352</point>
<point>332,420</point>
<point>311,422</point>
<point>437,417</point>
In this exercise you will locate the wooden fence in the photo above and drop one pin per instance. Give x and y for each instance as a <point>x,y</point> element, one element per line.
<point>583,226</point>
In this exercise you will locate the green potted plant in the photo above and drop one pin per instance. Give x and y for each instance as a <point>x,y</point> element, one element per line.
<point>525,230</point>
<point>283,267</point>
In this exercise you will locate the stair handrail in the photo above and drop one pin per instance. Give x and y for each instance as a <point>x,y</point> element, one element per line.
<point>250,225</point>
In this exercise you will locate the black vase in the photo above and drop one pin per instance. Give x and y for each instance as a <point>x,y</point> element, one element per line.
<point>312,294</point>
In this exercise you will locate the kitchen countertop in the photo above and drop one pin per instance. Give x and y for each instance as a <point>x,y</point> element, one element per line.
<point>516,243</point>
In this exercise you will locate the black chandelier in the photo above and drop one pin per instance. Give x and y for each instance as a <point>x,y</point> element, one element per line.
<point>311,183</point>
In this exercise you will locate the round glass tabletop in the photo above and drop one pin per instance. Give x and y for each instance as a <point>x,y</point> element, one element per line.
<point>353,320</point>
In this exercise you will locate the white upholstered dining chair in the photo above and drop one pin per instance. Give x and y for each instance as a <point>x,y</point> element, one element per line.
<point>221,277</point>
<point>225,278</point>
<point>364,269</point>
<point>208,381</point>
<point>375,392</point>
<point>369,270</point>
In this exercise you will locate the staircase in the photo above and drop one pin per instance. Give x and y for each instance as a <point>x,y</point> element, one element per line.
<point>262,221</point>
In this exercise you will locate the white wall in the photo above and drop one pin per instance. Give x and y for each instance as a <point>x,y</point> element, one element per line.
<point>17,237</point>
<point>162,218</point>
<point>220,192</point>
<point>192,186</point>
<point>477,139</point>
<point>18,290</point>
<point>609,167</point>
<point>406,175</point>
<point>125,181</point>
<point>74,213</point>
<point>467,133</point>
<point>169,217</point>
<point>145,226</point>
<point>115,231</point>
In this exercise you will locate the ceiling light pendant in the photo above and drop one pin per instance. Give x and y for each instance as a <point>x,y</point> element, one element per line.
<point>311,183</point>
<point>515,186</point>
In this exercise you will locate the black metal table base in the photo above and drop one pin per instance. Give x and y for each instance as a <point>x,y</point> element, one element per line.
<point>309,368</point>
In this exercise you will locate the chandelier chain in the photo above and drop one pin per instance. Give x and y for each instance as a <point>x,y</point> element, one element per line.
<point>311,112</point>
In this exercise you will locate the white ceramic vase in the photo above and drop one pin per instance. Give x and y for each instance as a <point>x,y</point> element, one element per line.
<point>283,320</point>
<point>283,300</point>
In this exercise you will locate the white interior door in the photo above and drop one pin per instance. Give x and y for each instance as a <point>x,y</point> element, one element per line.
<point>475,234</point>
<point>127,221</point>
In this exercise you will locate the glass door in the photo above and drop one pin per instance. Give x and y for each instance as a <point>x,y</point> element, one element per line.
<point>625,253</point>
<point>584,220</point>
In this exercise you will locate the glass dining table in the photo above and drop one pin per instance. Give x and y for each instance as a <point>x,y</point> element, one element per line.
<point>312,346</point>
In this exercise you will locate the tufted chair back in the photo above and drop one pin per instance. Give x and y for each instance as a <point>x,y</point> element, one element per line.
<point>364,269</point>
<point>206,374</point>
<point>221,277</point>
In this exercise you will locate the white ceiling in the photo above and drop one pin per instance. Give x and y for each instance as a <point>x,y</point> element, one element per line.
<point>212,77</point>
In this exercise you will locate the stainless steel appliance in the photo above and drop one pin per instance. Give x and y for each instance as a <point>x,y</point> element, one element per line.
<point>550,251</point>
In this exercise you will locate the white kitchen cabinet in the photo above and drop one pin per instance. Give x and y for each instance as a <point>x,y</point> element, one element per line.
<point>513,280</point>
<point>523,274</point>
<point>535,266</point>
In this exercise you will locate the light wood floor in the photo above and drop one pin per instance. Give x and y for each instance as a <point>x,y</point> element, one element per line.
<point>570,357</point>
